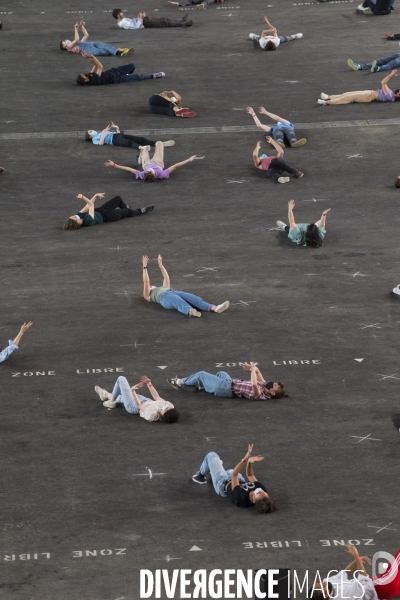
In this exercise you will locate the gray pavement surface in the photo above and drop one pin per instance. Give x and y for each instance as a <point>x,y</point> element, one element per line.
<point>91,496</point>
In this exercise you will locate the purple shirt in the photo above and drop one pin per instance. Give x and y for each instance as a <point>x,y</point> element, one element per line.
<point>389,97</point>
<point>158,172</point>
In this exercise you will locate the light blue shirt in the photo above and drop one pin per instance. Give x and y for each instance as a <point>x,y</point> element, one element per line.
<point>7,351</point>
<point>298,233</point>
<point>108,138</point>
<point>280,125</point>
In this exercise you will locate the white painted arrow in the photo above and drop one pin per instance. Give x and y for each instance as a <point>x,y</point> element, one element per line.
<point>195,548</point>
<point>359,359</point>
<point>163,367</point>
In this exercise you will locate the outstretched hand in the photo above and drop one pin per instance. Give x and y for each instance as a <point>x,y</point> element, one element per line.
<point>100,195</point>
<point>269,139</point>
<point>145,380</point>
<point>291,203</point>
<point>262,110</point>
<point>109,163</point>
<point>137,386</point>
<point>192,157</point>
<point>80,196</point>
<point>26,326</point>
<point>159,259</point>
<point>326,212</point>
<point>249,451</point>
<point>250,111</point>
<point>145,260</point>
<point>254,459</point>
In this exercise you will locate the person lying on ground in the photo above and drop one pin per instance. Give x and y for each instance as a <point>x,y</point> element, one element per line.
<point>231,484</point>
<point>142,21</point>
<point>283,132</point>
<point>223,386</point>
<point>14,345</point>
<point>94,48</point>
<point>153,168</point>
<point>381,7</point>
<point>304,234</point>
<point>274,166</point>
<point>379,64</point>
<point>169,103</point>
<point>185,303</point>
<point>391,36</point>
<point>156,409</point>
<point>123,74</point>
<point>384,94</point>
<point>116,138</point>
<point>197,3</point>
<point>271,42</point>
<point>109,212</point>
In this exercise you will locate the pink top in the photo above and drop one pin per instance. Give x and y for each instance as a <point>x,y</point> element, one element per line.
<point>265,162</point>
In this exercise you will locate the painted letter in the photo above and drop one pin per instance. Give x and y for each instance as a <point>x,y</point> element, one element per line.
<point>146,579</point>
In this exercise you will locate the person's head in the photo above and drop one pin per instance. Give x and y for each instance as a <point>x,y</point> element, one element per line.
<point>396,94</point>
<point>90,133</point>
<point>320,591</point>
<point>117,13</point>
<point>312,237</point>
<point>397,182</point>
<point>82,79</point>
<point>149,176</point>
<point>64,44</point>
<point>1,25</point>
<point>270,46</point>
<point>264,505</point>
<point>276,389</point>
<point>72,223</point>
<point>170,415</point>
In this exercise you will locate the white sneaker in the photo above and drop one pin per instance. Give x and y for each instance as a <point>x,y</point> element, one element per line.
<point>299,36</point>
<point>253,36</point>
<point>361,7</point>
<point>103,394</point>
<point>194,313</point>
<point>169,143</point>
<point>173,3</point>
<point>396,290</point>
<point>141,148</point>
<point>324,96</point>
<point>283,179</point>
<point>109,404</point>
<point>221,307</point>
<point>281,225</point>
<point>322,102</point>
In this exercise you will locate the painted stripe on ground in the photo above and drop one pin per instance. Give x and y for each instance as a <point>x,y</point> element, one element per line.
<point>194,130</point>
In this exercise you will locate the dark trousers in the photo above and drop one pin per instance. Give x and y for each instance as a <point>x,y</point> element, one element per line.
<point>116,209</point>
<point>131,141</point>
<point>277,167</point>
<point>287,228</point>
<point>161,106</point>
<point>161,22</point>
<point>371,5</point>
<point>285,135</point>
<point>125,73</point>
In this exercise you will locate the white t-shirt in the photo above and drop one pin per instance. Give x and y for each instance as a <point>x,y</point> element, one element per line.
<point>131,23</point>
<point>361,588</point>
<point>152,409</point>
<point>269,38</point>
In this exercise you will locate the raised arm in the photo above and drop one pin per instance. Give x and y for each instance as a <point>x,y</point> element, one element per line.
<point>180,164</point>
<point>384,82</point>
<point>166,282</point>
<point>247,367</point>
<point>267,31</point>
<point>257,161</point>
<point>239,467</point>
<point>272,28</point>
<point>276,146</point>
<point>254,380</point>
<point>292,222</point>
<point>89,205</point>
<point>177,96</point>
<point>249,467</point>
<point>257,120</point>
<point>101,195</point>
<point>24,328</point>
<point>146,279</point>
<point>76,37</point>
<point>110,163</point>
<point>103,134</point>
<point>151,388</point>
<point>84,31</point>
<point>262,111</point>
<point>322,221</point>
<point>135,396</point>
<point>97,66</point>
<point>357,564</point>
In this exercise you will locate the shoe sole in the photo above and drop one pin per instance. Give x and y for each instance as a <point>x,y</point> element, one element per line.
<point>173,386</point>
<point>299,143</point>
<point>96,387</point>
<point>195,314</point>
<point>352,65</point>
<point>285,180</point>
<point>188,115</point>
<point>129,53</point>
<point>199,482</point>
<point>148,209</point>
<point>373,66</point>
<point>224,307</point>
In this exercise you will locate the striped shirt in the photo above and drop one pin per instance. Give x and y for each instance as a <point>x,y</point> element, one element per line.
<point>244,389</point>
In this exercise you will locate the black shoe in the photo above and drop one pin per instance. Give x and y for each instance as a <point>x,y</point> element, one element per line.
<point>188,23</point>
<point>172,381</point>
<point>199,478</point>
<point>147,209</point>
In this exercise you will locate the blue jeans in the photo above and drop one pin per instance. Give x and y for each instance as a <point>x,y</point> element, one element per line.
<point>385,64</point>
<point>371,4</point>
<point>125,73</point>
<point>212,464</point>
<point>219,384</point>
<point>97,48</point>
<point>122,394</point>
<point>183,302</point>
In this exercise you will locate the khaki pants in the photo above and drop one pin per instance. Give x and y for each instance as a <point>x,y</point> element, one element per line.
<point>158,156</point>
<point>349,97</point>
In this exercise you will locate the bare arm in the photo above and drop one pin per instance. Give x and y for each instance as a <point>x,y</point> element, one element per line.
<point>180,164</point>
<point>103,135</point>
<point>257,161</point>
<point>322,221</point>
<point>276,146</point>
<point>385,81</point>
<point>76,37</point>
<point>84,31</point>
<point>24,328</point>
<point>146,280</point>
<point>89,205</point>
<point>166,281</point>
<point>275,117</point>
<point>247,367</point>
<point>267,31</point>
<point>110,163</point>
<point>97,66</point>
<point>151,388</point>
<point>357,563</point>
<point>239,467</point>
<point>254,380</point>
<point>135,397</point>
<point>292,222</point>
<point>257,120</point>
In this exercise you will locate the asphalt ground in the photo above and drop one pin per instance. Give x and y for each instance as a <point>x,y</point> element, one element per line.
<point>91,496</point>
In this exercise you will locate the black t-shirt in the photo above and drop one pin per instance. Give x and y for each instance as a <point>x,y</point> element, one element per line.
<point>382,5</point>
<point>240,495</point>
<point>103,79</point>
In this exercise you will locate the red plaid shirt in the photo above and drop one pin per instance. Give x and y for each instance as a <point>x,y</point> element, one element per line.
<point>244,389</point>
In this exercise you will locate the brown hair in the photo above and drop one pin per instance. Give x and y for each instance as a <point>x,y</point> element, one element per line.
<point>61,46</point>
<point>88,137</point>
<point>80,80</point>
<point>149,177</point>
<point>281,392</point>
<point>265,505</point>
<point>116,12</point>
<point>397,182</point>
<point>170,416</point>
<point>71,224</point>
<point>270,46</point>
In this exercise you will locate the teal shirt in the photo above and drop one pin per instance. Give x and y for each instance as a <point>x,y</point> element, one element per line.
<point>156,293</point>
<point>87,219</point>
<point>298,233</point>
